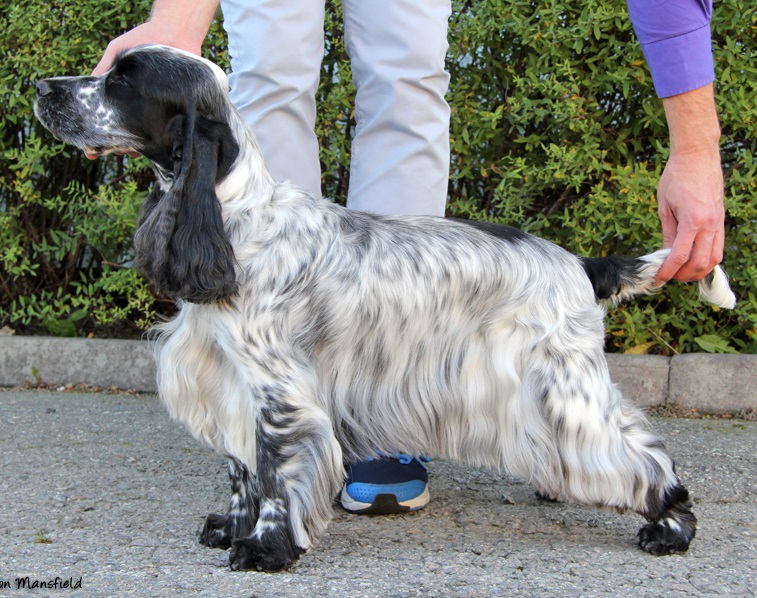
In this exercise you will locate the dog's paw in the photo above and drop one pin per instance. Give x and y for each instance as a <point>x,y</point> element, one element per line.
<point>545,497</point>
<point>661,538</point>
<point>214,533</point>
<point>252,554</point>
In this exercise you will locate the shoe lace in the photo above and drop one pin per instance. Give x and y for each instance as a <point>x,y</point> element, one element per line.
<point>404,459</point>
<point>407,459</point>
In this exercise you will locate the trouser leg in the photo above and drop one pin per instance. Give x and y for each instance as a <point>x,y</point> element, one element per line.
<point>400,153</point>
<point>276,51</point>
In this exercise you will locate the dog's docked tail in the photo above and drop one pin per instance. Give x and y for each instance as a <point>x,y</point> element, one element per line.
<point>617,279</point>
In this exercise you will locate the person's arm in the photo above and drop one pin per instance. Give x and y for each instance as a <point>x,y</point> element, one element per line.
<point>690,192</point>
<point>182,24</point>
<point>677,44</point>
<point>676,40</point>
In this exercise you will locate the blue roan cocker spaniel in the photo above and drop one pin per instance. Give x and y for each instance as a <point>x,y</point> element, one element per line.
<point>309,335</point>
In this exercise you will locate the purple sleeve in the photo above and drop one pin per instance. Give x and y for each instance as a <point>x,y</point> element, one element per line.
<point>675,37</point>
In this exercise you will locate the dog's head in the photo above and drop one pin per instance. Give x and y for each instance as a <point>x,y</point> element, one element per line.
<point>173,108</point>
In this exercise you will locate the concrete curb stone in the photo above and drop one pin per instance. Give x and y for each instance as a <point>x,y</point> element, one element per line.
<point>714,383</point>
<point>125,364</point>
<point>645,379</point>
<point>708,383</point>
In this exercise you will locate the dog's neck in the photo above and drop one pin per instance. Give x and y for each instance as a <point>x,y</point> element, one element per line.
<point>248,182</point>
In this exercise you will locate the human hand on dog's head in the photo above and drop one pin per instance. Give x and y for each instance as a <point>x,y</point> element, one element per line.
<point>174,23</point>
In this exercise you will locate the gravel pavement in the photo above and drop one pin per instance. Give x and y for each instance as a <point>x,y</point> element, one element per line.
<point>105,492</point>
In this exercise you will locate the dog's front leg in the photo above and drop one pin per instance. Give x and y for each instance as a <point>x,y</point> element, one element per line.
<point>221,530</point>
<point>299,471</point>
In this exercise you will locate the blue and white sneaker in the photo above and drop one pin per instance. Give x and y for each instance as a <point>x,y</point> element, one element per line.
<point>386,485</point>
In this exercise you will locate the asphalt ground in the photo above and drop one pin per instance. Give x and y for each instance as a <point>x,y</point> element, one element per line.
<point>105,492</point>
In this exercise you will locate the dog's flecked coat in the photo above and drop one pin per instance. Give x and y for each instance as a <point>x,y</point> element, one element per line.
<point>309,335</point>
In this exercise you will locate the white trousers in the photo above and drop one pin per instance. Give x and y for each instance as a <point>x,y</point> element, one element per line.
<point>400,151</point>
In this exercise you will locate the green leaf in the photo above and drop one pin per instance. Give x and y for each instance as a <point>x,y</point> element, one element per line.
<point>63,328</point>
<point>712,343</point>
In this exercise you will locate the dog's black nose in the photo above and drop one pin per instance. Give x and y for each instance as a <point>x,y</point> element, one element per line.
<point>43,88</point>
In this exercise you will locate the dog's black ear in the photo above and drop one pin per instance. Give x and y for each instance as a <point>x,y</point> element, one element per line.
<point>181,245</point>
<point>150,203</point>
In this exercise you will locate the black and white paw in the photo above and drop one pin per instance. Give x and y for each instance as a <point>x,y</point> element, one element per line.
<point>674,528</point>
<point>215,532</point>
<point>543,496</point>
<point>666,537</point>
<point>272,553</point>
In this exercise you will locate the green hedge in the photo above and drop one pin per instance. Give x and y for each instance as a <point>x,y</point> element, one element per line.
<point>555,128</point>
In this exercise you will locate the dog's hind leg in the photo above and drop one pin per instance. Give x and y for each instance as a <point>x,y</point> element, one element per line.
<point>666,503</point>
<point>299,471</point>
<point>602,453</point>
<point>220,530</point>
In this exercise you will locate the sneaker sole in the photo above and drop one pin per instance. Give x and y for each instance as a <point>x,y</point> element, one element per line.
<point>383,504</point>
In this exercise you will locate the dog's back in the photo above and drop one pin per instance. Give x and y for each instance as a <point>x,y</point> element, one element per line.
<point>617,279</point>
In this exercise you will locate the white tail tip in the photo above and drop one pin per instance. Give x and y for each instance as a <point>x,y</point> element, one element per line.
<point>715,288</point>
